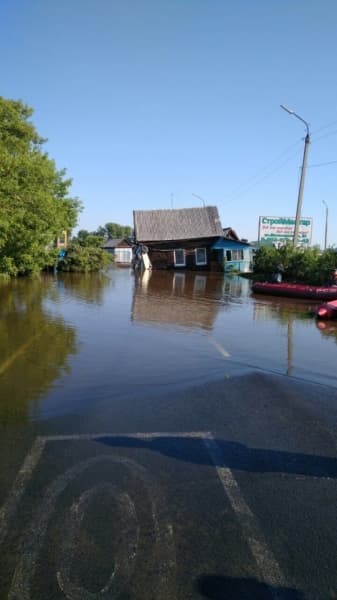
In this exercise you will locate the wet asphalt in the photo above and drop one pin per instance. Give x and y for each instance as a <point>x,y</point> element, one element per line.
<point>225,490</point>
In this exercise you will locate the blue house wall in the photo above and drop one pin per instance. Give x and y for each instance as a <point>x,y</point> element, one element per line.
<point>235,255</point>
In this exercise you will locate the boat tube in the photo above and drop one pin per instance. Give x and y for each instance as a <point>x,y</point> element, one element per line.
<point>327,310</point>
<point>296,290</point>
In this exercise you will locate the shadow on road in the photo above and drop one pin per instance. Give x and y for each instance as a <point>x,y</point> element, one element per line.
<point>217,587</point>
<point>233,455</point>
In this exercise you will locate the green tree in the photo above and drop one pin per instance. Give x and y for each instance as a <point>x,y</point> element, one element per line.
<point>114,230</point>
<point>87,238</point>
<point>34,203</point>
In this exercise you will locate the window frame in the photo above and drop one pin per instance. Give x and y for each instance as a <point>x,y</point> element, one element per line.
<point>181,264</point>
<point>203,262</point>
<point>234,255</point>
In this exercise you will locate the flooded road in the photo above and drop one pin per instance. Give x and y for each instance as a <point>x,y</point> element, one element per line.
<point>165,436</point>
<point>70,342</point>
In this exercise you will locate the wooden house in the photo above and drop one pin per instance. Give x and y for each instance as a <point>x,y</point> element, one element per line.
<point>179,238</point>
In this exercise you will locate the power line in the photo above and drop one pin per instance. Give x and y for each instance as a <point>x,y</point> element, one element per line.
<point>258,174</point>
<point>323,127</point>
<point>322,137</point>
<point>331,162</point>
<point>260,180</point>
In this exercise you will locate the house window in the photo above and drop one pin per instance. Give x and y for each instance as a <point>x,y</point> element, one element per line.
<point>123,255</point>
<point>179,258</point>
<point>200,256</point>
<point>234,255</point>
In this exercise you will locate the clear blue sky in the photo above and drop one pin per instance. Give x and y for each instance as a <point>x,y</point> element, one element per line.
<point>146,102</point>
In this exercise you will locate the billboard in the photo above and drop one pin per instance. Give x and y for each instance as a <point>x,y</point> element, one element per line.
<point>278,230</point>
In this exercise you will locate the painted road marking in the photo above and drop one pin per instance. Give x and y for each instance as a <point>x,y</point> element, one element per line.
<point>219,348</point>
<point>24,475</point>
<point>269,568</point>
<point>127,549</point>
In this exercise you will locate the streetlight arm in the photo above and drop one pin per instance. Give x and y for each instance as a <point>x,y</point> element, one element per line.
<point>303,121</point>
<point>291,112</point>
<point>200,198</point>
<point>288,110</point>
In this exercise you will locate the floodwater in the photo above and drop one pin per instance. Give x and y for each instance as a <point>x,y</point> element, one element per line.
<point>72,342</point>
<point>136,462</point>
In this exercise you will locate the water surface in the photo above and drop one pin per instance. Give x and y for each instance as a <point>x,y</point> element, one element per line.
<point>73,342</point>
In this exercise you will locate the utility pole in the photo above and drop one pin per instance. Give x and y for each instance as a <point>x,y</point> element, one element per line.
<point>303,172</point>
<point>326,225</point>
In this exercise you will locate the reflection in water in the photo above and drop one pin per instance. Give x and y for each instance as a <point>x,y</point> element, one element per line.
<point>236,287</point>
<point>282,308</point>
<point>328,328</point>
<point>286,312</point>
<point>186,299</point>
<point>34,346</point>
<point>89,287</point>
<point>290,338</point>
<point>306,354</point>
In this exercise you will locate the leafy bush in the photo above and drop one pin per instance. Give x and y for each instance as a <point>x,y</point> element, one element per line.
<point>84,259</point>
<point>302,265</point>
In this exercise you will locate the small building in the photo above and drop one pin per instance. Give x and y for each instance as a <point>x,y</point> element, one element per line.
<point>179,238</point>
<point>121,249</point>
<point>235,254</point>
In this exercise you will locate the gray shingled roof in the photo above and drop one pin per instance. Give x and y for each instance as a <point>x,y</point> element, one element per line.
<point>112,242</point>
<point>177,224</point>
<point>117,243</point>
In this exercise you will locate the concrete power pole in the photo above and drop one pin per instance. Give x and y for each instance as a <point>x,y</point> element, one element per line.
<point>303,171</point>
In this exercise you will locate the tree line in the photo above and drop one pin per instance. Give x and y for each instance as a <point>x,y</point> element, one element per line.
<point>102,233</point>
<point>36,206</point>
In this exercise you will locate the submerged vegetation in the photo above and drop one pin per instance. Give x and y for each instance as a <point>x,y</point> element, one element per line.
<point>301,265</point>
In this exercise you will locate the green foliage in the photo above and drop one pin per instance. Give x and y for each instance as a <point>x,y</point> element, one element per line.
<point>96,238</point>
<point>34,203</point>
<point>114,230</point>
<point>80,258</point>
<point>85,238</point>
<point>303,265</point>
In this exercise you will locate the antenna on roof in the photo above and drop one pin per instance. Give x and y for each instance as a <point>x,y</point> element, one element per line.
<point>172,197</point>
<point>200,198</point>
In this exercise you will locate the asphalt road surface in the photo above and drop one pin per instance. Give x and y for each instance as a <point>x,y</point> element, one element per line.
<point>224,491</point>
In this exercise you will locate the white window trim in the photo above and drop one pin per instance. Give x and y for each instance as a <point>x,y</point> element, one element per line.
<point>123,255</point>
<point>175,261</point>
<point>203,262</point>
